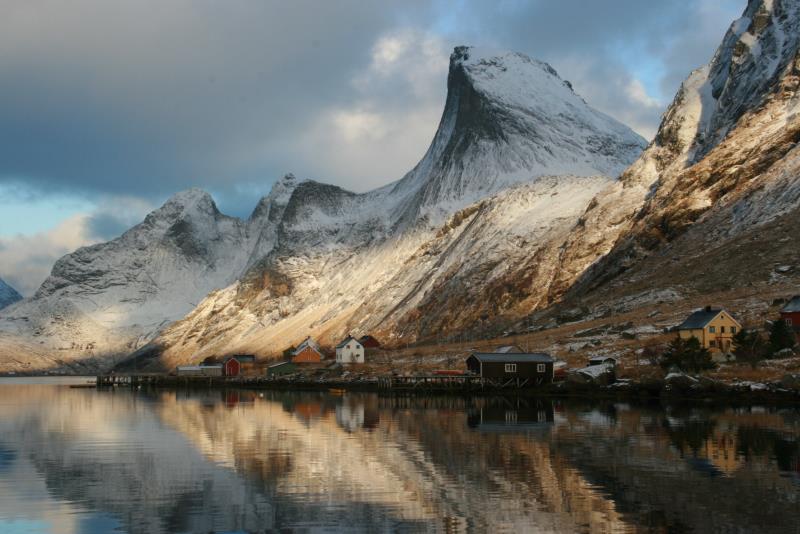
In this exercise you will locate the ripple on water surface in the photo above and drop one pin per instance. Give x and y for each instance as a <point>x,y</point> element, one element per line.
<point>83,460</point>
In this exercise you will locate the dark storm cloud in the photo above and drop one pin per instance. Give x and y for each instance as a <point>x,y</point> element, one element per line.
<point>144,98</point>
<point>148,97</point>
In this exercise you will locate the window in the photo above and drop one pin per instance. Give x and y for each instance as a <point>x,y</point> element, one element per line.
<point>721,329</point>
<point>733,330</point>
<point>789,321</point>
<point>348,346</point>
<point>511,368</point>
<point>712,329</point>
<point>540,368</point>
<point>712,343</point>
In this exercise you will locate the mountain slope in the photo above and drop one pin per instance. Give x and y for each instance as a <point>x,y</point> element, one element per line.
<point>8,295</point>
<point>730,122</point>
<point>507,118</point>
<point>516,159</point>
<point>103,301</point>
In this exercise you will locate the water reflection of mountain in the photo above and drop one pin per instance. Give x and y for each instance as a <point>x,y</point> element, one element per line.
<point>691,471</point>
<point>241,460</point>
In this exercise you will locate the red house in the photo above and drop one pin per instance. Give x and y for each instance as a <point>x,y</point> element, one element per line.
<point>231,367</point>
<point>307,352</point>
<point>791,314</point>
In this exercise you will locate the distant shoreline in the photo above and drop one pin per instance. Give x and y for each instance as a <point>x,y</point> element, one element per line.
<point>712,390</point>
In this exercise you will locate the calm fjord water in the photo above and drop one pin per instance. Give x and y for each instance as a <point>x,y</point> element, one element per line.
<point>82,460</point>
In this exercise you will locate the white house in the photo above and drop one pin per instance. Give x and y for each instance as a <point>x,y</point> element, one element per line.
<point>350,351</point>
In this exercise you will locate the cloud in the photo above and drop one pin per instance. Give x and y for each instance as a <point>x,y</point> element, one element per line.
<point>391,117</point>
<point>142,98</point>
<point>626,57</point>
<point>27,259</point>
<point>147,97</point>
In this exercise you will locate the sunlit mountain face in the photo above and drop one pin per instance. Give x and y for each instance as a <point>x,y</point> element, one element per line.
<point>83,460</point>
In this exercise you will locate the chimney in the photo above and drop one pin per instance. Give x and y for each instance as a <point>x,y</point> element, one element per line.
<point>708,308</point>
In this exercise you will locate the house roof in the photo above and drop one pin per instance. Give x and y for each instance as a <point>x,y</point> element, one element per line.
<point>793,306</point>
<point>508,349</point>
<point>307,342</point>
<point>699,319</point>
<point>345,341</point>
<point>243,358</point>
<point>519,357</point>
<point>603,358</point>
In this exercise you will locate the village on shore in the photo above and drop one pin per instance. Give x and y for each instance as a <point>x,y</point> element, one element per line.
<point>707,337</point>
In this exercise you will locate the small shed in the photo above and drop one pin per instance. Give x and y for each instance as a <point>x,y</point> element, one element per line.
<point>600,360</point>
<point>231,367</point>
<point>188,370</point>
<point>281,368</point>
<point>199,370</point>
<point>536,367</point>
<point>791,314</point>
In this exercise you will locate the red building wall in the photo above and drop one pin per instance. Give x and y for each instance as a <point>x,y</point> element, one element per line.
<point>307,355</point>
<point>793,318</point>
<point>232,367</point>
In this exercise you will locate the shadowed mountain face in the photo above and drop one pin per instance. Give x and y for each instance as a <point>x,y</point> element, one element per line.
<point>517,157</point>
<point>8,295</point>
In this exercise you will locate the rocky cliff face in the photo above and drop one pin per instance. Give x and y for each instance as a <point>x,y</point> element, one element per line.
<point>516,159</point>
<point>731,122</point>
<point>8,295</point>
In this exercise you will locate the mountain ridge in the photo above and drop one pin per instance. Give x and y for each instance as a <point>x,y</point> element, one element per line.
<point>311,254</point>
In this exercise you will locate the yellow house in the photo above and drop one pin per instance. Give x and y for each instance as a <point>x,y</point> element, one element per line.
<point>714,328</point>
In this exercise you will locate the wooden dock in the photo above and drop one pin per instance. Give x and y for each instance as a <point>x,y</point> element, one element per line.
<point>448,383</point>
<point>426,383</point>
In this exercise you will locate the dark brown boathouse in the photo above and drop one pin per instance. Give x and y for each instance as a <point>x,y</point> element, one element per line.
<point>533,368</point>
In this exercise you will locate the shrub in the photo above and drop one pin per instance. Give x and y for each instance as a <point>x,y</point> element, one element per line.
<point>749,347</point>
<point>780,337</point>
<point>687,355</point>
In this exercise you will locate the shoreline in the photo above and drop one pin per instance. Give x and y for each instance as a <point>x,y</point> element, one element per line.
<point>701,390</point>
<point>685,388</point>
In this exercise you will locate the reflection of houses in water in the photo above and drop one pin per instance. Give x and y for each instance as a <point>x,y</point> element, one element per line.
<point>307,411</point>
<point>720,450</point>
<point>354,415</point>
<point>350,417</point>
<point>511,415</point>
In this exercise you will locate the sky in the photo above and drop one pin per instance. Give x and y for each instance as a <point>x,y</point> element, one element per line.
<point>107,108</point>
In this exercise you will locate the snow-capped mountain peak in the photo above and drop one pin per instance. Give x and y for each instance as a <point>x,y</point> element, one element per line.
<point>318,251</point>
<point>508,119</point>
